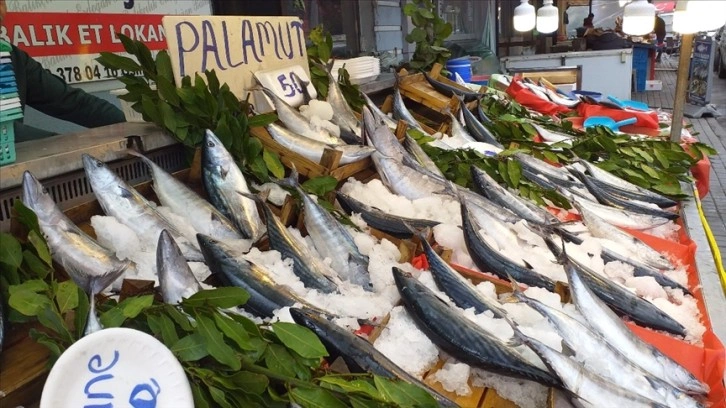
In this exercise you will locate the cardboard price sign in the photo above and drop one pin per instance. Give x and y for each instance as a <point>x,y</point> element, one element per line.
<point>235,47</point>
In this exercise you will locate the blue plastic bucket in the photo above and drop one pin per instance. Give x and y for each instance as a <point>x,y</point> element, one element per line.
<point>461,66</point>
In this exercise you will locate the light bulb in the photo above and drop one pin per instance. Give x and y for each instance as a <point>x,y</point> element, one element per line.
<point>698,15</point>
<point>524,17</point>
<point>548,18</point>
<point>638,18</point>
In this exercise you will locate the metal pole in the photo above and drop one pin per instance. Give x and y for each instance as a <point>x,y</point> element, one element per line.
<point>679,102</point>
<point>590,12</point>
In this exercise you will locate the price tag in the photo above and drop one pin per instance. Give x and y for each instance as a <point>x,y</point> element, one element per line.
<point>282,83</point>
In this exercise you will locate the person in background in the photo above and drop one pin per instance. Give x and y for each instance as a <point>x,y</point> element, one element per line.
<point>587,23</point>
<point>660,33</point>
<point>49,94</point>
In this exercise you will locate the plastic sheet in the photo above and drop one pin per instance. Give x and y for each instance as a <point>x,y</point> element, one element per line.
<point>528,98</point>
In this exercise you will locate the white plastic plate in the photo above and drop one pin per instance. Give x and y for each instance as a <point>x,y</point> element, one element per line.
<point>117,367</point>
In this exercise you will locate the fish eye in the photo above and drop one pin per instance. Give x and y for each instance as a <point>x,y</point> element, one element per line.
<point>210,144</point>
<point>45,190</point>
<point>99,163</point>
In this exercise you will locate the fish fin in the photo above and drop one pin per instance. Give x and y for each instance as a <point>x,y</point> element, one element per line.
<point>349,137</point>
<point>290,181</point>
<point>516,290</point>
<point>125,193</point>
<point>528,265</point>
<point>566,350</point>
<point>259,198</point>
<point>296,78</point>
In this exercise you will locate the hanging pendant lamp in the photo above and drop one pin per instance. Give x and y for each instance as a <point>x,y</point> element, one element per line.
<point>548,18</point>
<point>638,18</point>
<point>524,17</point>
<point>693,16</point>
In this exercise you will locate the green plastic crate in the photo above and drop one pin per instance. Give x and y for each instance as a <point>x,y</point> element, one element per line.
<point>7,142</point>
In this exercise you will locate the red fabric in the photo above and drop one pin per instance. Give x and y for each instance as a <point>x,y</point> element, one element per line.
<point>527,98</point>
<point>702,173</point>
<point>420,262</point>
<point>645,119</point>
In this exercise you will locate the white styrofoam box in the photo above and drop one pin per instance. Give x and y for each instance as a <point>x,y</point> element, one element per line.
<point>280,82</point>
<point>654,85</point>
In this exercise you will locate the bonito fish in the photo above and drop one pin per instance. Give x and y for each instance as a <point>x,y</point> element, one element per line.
<point>350,128</point>
<point>332,240</point>
<point>222,181</point>
<point>313,149</point>
<point>605,322</point>
<point>462,338</point>
<point>183,201</point>
<point>176,279</point>
<point>124,203</point>
<point>359,355</point>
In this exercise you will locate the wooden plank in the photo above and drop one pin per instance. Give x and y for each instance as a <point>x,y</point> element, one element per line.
<point>493,400</point>
<point>23,368</point>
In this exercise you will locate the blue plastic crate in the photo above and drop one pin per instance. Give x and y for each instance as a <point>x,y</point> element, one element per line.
<point>7,142</point>
<point>641,74</point>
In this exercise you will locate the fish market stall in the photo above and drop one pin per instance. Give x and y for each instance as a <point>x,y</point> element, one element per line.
<point>493,256</point>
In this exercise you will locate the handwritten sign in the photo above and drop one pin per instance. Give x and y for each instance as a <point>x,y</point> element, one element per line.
<point>282,82</point>
<point>234,46</point>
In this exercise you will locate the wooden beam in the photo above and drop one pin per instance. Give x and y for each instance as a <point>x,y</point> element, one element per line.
<point>679,100</point>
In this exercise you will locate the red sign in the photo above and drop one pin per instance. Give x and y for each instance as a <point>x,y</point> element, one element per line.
<point>49,34</point>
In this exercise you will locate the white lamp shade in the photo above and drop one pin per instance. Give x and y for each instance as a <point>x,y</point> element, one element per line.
<point>548,18</point>
<point>638,18</point>
<point>698,15</point>
<point>524,17</point>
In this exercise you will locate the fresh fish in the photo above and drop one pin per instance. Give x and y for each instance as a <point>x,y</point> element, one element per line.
<point>312,149</point>
<point>489,259</point>
<point>536,90</point>
<point>592,390</point>
<point>222,181</point>
<point>551,136</point>
<point>458,288</point>
<point>92,267</point>
<point>232,269</point>
<point>297,122</point>
<point>378,113</point>
<point>618,298</point>
<point>556,98</point>
<point>483,118</point>
<point>462,338</point>
<point>350,128</point>
<point>490,189</point>
<point>302,85</point>
<point>617,216</point>
<point>476,128</point>
<point>176,279</point>
<point>591,348</point>
<point>311,270</point>
<point>183,201</point>
<point>404,180</point>
<point>381,136</point>
<point>620,185</point>
<point>415,150</point>
<point>359,355</point>
<point>332,240</point>
<point>637,248</point>
<point>400,111</point>
<point>123,202</point>
<point>606,195</point>
<point>605,322</point>
<point>448,90</point>
<point>382,220</point>
<point>458,131</point>
<point>555,175</point>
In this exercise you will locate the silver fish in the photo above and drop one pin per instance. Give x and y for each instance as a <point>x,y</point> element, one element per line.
<point>124,203</point>
<point>312,149</point>
<point>591,389</point>
<point>332,240</point>
<point>91,266</point>
<point>591,348</point>
<point>176,279</point>
<point>297,122</point>
<point>222,181</point>
<point>378,113</point>
<point>404,180</point>
<point>551,136</point>
<point>381,136</point>
<point>616,216</point>
<point>413,148</point>
<point>400,111</point>
<point>185,202</point>
<point>554,174</point>
<point>605,322</point>
<point>458,131</point>
<point>344,116</point>
<point>637,248</point>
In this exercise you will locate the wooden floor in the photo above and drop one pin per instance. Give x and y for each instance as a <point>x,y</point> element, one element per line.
<point>709,130</point>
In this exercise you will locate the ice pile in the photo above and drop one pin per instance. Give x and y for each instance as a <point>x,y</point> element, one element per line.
<point>320,114</point>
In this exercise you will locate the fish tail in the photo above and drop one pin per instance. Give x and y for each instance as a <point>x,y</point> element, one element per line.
<point>290,181</point>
